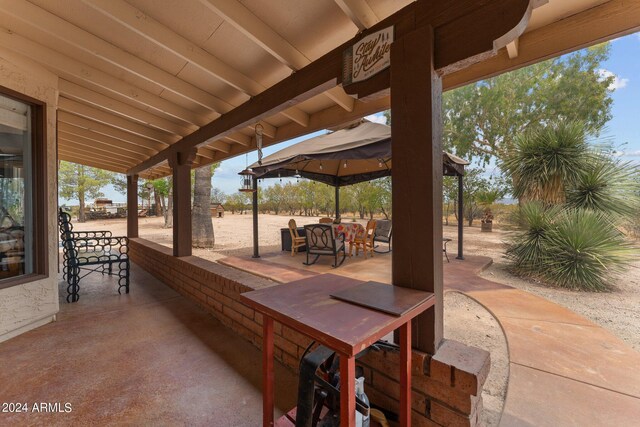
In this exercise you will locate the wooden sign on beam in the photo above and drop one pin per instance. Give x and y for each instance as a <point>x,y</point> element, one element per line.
<point>367,57</point>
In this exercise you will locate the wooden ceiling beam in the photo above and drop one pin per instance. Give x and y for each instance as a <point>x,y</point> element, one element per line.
<point>359,12</point>
<point>89,159</point>
<point>206,152</point>
<point>70,144</point>
<point>70,69</point>
<point>91,163</point>
<point>220,146</point>
<point>83,110</point>
<point>152,30</point>
<point>62,135</point>
<point>89,135</point>
<point>62,32</point>
<point>452,22</point>
<point>512,49</point>
<point>80,93</point>
<point>240,138</point>
<point>243,20</point>
<point>323,119</point>
<point>97,127</point>
<point>614,18</point>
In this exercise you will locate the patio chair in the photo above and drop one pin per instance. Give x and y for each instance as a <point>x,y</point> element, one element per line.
<point>365,240</point>
<point>92,251</point>
<point>383,233</point>
<point>326,220</point>
<point>296,240</point>
<point>321,240</point>
<point>445,240</point>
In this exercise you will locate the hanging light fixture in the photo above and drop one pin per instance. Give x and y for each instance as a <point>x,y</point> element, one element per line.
<point>379,163</point>
<point>320,164</point>
<point>247,175</point>
<point>246,182</point>
<point>345,164</point>
<point>259,129</point>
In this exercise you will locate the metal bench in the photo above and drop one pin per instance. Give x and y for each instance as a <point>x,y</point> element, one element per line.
<point>92,251</point>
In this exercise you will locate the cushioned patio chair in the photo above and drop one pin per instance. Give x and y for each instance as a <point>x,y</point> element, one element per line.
<point>383,233</point>
<point>321,240</point>
<point>296,240</point>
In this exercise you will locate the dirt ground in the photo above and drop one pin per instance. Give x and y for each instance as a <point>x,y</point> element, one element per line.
<point>465,320</point>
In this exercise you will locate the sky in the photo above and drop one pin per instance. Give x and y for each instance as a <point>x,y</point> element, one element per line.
<point>623,129</point>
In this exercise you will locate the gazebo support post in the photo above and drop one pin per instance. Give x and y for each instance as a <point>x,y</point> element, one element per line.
<point>256,251</point>
<point>132,206</point>
<point>416,93</point>
<point>337,201</point>
<point>460,215</point>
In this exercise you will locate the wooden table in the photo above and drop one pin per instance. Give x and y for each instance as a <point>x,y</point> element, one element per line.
<point>306,306</point>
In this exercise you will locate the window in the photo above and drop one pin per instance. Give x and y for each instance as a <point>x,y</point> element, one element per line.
<point>23,236</point>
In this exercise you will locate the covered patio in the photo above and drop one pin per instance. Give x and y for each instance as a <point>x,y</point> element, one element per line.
<point>153,90</point>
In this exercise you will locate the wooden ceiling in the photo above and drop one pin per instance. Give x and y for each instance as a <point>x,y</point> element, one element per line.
<point>138,76</point>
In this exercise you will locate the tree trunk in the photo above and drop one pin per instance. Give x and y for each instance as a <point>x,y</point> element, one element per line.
<point>202,225</point>
<point>81,216</point>
<point>158,203</point>
<point>168,213</point>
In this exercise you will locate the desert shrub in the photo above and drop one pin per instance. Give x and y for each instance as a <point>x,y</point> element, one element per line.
<point>528,249</point>
<point>606,185</point>
<point>568,247</point>
<point>582,253</point>
<point>578,195</point>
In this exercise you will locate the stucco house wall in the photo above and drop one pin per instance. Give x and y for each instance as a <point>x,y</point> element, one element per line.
<point>27,306</point>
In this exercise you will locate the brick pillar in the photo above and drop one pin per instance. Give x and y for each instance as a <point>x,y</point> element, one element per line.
<point>416,92</point>
<point>180,163</point>
<point>132,205</point>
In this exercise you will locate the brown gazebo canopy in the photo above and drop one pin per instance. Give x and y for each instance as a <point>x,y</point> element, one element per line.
<point>357,153</point>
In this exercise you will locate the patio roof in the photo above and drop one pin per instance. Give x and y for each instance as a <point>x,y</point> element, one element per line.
<point>360,152</point>
<point>137,78</point>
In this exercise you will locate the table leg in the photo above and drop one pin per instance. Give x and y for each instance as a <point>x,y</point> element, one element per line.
<point>347,391</point>
<point>405,374</point>
<point>267,372</point>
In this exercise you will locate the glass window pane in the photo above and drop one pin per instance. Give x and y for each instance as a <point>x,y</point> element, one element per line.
<point>16,182</point>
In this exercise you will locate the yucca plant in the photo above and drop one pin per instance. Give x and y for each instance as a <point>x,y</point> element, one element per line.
<point>528,250</point>
<point>548,160</point>
<point>607,185</point>
<point>582,252</point>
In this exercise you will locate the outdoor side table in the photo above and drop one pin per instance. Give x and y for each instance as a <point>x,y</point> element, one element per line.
<point>307,306</point>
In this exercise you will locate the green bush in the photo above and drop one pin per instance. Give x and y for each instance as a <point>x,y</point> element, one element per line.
<point>571,248</point>
<point>527,249</point>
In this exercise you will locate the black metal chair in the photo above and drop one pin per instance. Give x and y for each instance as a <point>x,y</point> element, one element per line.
<point>321,240</point>
<point>93,251</point>
<point>382,234</point>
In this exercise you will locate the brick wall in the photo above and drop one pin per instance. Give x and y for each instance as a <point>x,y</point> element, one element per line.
<point>446,387</point>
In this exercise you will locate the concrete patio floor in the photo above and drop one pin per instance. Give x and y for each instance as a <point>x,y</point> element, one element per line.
<point>564,370</point>
<point>147,358</point>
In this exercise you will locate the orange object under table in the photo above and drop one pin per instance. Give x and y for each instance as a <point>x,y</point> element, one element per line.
<point>306,306</point>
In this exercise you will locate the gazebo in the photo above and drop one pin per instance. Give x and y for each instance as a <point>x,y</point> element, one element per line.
<point>356,153</point>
